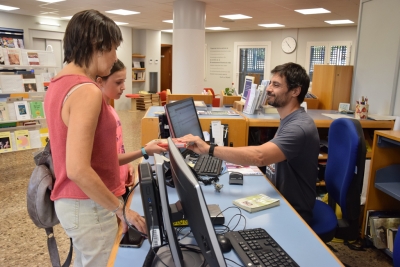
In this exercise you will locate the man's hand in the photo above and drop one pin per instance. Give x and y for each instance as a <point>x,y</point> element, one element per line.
<point>195,143</point>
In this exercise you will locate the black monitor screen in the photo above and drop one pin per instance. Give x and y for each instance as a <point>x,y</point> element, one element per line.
<point>183,119</point>
<point>194,207</point>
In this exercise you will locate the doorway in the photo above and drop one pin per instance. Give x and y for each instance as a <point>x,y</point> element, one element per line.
<point>166,67</point>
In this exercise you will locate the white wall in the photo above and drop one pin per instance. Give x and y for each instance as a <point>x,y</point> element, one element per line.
<point>378,57</point>
<point>227,39</point>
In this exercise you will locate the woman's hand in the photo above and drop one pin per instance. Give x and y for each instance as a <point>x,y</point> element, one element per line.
<point>131,175</point>
<point>133,218</point>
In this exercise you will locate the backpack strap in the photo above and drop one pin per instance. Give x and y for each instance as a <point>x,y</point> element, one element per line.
<point>53,250</point>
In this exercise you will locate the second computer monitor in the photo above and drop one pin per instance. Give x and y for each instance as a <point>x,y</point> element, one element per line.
<point>183,119</point>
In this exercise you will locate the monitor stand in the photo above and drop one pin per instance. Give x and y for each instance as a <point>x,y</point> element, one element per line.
<point>190,258</point>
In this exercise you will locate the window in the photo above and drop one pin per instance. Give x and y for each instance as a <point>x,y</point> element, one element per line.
<point>332,53</point>
<point>251,59</point>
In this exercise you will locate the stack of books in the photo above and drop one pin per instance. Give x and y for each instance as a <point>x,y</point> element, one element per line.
<point>143,102</point>
<point>155,99</point>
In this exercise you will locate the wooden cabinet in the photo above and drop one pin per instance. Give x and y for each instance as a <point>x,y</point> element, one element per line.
<point>228,100</point>
<point>332,85</point>
<point>383,191</point>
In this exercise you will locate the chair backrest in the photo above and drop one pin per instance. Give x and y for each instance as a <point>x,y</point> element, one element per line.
<point>396,250</point>
<point>210,90</point>
<point>345,166</point>
<point>163,97</point>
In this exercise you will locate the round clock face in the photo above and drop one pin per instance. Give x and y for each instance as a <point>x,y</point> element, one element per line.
<point>288,45</point>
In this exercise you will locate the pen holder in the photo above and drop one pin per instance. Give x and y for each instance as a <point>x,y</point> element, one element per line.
<point>361,111</point>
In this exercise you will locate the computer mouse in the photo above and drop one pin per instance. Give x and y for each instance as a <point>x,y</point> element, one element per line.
<point>224,243</point>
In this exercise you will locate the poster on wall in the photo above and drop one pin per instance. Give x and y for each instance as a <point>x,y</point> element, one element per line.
<point>220,62</point>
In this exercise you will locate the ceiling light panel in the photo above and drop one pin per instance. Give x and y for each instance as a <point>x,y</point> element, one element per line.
<point>50,1</point>
<point>342,21</point>
<point>312,11</point>
<point>8,8</point>
<point>217,28</point>
<point>122,12</point>
<point>235,16</point>
<point>271,25</point>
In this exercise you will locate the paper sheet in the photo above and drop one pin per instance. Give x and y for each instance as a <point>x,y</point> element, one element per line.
<point>336,116</point>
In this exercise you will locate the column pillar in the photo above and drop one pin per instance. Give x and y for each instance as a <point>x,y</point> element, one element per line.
<point>188,47</point>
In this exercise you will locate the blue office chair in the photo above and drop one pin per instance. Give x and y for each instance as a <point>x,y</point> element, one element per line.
<point>343,178</point>
<point>396,251</point>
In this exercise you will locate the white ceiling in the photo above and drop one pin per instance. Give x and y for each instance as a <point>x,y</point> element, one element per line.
<point>153,12</point>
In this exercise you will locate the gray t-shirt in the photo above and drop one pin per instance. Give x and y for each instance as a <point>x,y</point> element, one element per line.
<point>297,137</point>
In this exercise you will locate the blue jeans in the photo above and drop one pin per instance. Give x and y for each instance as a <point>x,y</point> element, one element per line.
<point>92,228</point>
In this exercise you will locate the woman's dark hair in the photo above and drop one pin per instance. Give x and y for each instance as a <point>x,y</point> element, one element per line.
<point>117,67</point>
<point>296,76</point>
<point>87,32</point>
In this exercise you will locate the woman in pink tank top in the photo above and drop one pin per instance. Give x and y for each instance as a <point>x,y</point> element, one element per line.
<point>87,190</point>
<point>113,87</point>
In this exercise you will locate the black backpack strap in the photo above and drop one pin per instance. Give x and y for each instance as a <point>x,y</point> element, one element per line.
<point>53,250</point>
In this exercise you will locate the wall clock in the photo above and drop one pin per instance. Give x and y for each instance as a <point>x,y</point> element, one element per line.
<point>288,45</point>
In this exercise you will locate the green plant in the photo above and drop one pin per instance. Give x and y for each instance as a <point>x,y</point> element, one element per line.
<point>229,91</point>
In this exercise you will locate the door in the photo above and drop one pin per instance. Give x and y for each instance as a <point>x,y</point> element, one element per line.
<point>166,67</point>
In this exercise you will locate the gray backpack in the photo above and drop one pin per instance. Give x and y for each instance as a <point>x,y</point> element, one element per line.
<point>40,207</point>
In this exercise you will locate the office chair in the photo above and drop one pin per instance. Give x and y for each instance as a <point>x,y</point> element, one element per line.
<point>396,251</point>
<point>343,178</point>
<point>163,97</point>
<point>216,100</point>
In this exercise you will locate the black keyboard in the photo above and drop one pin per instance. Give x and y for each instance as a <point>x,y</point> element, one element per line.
<point>255,247</point>
<point>207,165</point>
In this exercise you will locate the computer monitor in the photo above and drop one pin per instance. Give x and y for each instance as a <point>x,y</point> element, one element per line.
<point>182,118</point>
<point>194,207</point>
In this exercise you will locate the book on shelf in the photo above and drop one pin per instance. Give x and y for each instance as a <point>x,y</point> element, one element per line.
<point>8,42</point>
<point>12,116</point>
<point>14,56</point>
<point>4,112</point>
<point>2,60</point>
<point>29,81</point>
<point>34,138</point>
<point>11,83</point>
<point>44,136</point>
<point>391,236</point>
<point>378,214</point>
<point>33,58</point>
<point>256,203</point>
<point>136,64</point>
<point>22,110</point>
<point>37,111</point>
<point>134,76</point>
<point>245,170</point>
<point>22,139</point>
<point>251,100</point>
<point>378,228</point>
<point>5,142</point>
<point>140,75</point>
<point>142,64</point>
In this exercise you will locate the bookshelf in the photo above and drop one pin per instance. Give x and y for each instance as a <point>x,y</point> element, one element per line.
<point>138,69</point>
<point>383,193</point>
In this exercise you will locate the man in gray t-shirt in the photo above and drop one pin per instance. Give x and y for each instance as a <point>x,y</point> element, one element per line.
<point>292,153</point>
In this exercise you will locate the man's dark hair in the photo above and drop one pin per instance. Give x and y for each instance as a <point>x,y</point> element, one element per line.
<point>296,76</point>
<point>88,32</point>
<point>116,67</point>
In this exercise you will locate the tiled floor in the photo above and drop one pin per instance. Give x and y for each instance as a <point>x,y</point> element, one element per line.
<point>23,244</point>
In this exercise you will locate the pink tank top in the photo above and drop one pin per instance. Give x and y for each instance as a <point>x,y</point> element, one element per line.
<point>104,155</point>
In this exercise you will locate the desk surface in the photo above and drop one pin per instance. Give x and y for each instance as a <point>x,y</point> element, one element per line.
<point>321,121</point>
<point>282,223</point>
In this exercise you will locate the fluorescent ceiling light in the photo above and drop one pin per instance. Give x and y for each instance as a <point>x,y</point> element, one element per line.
<point>171,30</point>
<point>69,17</point>
<point>235,16</point>
<point>168,21</point>
<point>8,8</point>
<point>50,1</point>
<point>49,23</point>
<point>271,25</point>
<point>123,12</point>
<point>121,23</point>
<point>312,11</point>
<point>343,21</point>
<point>217,28</point>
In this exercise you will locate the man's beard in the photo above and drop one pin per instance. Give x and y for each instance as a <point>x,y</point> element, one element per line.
<point>278,102</point>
